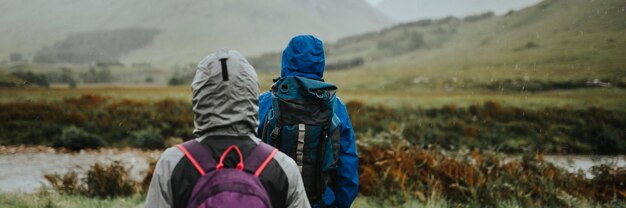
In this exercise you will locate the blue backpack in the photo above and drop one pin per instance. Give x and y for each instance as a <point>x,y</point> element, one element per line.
<point>302,124</point>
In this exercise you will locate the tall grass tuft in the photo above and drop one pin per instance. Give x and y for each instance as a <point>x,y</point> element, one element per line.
<point>393,169</point>
<point>101,180</point>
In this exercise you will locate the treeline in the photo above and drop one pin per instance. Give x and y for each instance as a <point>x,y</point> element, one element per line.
<point>520,85</point>
<point>63,75</point>
<point>95,46</point>
<point>99,72</point>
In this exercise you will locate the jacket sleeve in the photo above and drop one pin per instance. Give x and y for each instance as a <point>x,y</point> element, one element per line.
<point>347,171</point>
<point>265,102</point>
<point>296,195</point>
<point>160,192</point>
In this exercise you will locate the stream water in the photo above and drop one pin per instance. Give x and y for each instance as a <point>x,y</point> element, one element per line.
<point>24,171</point>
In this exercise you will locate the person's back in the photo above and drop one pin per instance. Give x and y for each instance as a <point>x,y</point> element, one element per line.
<point>304,57</point>
<point>225,105</point>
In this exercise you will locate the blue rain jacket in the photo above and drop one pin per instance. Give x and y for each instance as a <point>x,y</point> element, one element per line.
<point>304,57</point>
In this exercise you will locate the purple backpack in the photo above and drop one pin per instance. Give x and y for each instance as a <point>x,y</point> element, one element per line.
<point>228,187</point>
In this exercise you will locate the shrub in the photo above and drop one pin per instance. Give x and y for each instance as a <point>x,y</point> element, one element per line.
<point>109,181</point>
<point>75,139</point>
<point>149,138</point>
<point>145,183</point>
<point>112,121</point>
<point>396,171</point>
<point>101,180</point>
<point>68,183</point>
<point>554,130</point>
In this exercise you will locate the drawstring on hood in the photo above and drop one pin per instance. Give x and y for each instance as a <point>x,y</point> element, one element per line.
<point>304,57</point>
<point>225,95</point>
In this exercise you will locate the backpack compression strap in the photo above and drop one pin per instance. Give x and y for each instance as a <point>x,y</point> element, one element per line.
<point>198,155</point>
<point>300,146</point>
<point>259,158</point>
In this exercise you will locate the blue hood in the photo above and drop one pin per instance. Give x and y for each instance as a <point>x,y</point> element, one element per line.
<point>304,57</point>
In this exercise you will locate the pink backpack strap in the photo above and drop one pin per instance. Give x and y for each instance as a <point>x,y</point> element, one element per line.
<point>259,158</point>
<point>199,156</point>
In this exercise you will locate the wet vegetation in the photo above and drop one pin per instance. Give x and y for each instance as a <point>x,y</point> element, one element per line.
<point>394,172</point>
<point>92,121</point>
<point>101,180</point>
<point>397,171</point>
<point>493,126</point>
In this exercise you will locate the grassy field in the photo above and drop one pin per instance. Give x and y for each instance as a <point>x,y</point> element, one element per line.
<point>608,98</point>
<point>54,200</point>
<point>46,199</point>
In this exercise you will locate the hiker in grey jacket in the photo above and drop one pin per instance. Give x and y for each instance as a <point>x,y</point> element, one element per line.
<point>225,104</point>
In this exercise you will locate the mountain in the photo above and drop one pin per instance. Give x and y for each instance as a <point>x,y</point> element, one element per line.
<point>411,10</point>
<point>165,32</point>
<point>556,42</point>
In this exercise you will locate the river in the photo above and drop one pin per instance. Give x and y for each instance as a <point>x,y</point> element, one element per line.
<point>22,170</point>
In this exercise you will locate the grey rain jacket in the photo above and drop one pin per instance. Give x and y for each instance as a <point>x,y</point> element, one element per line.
<point>225,109</point>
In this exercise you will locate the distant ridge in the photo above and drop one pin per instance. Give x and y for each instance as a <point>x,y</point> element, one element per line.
<point>188,29</point>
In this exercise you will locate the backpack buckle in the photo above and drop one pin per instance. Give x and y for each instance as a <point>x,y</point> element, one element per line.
<point>274,136</point>
<point>274,133</point>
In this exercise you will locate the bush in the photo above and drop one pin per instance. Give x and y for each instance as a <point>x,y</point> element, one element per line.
<point>394,170</point>
<point>100,181</point>
<point>145,183</point>
<point>515,130</point>
<point>102,120</point>
<point>149,138</point>
<point>75,139</point>
<point>68,183</point>
<point>109,181</point>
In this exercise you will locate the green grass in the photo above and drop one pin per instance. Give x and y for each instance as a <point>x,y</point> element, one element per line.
<point>45,199</point>
<point>53,200</point>
<point>608,98</point>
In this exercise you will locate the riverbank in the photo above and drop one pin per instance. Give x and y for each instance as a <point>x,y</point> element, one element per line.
<point>30,163</point>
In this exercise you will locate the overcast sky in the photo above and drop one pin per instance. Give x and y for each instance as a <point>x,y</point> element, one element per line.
<point>408,10</point>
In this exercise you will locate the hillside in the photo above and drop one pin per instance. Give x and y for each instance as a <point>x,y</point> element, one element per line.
<point>172,32</point>
<point>555,44</point>
<point>411,10</point>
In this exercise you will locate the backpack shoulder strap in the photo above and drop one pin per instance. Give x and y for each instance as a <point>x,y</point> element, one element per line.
<point>198,155</point>
<point>258,159</point>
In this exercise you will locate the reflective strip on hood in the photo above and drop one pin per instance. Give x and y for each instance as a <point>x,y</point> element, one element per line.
<point>225,104</point>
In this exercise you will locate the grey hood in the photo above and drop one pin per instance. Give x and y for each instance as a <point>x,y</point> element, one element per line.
<point>225,103</point>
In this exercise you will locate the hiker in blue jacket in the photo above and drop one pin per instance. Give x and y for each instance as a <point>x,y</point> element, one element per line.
<point>304,57</point>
